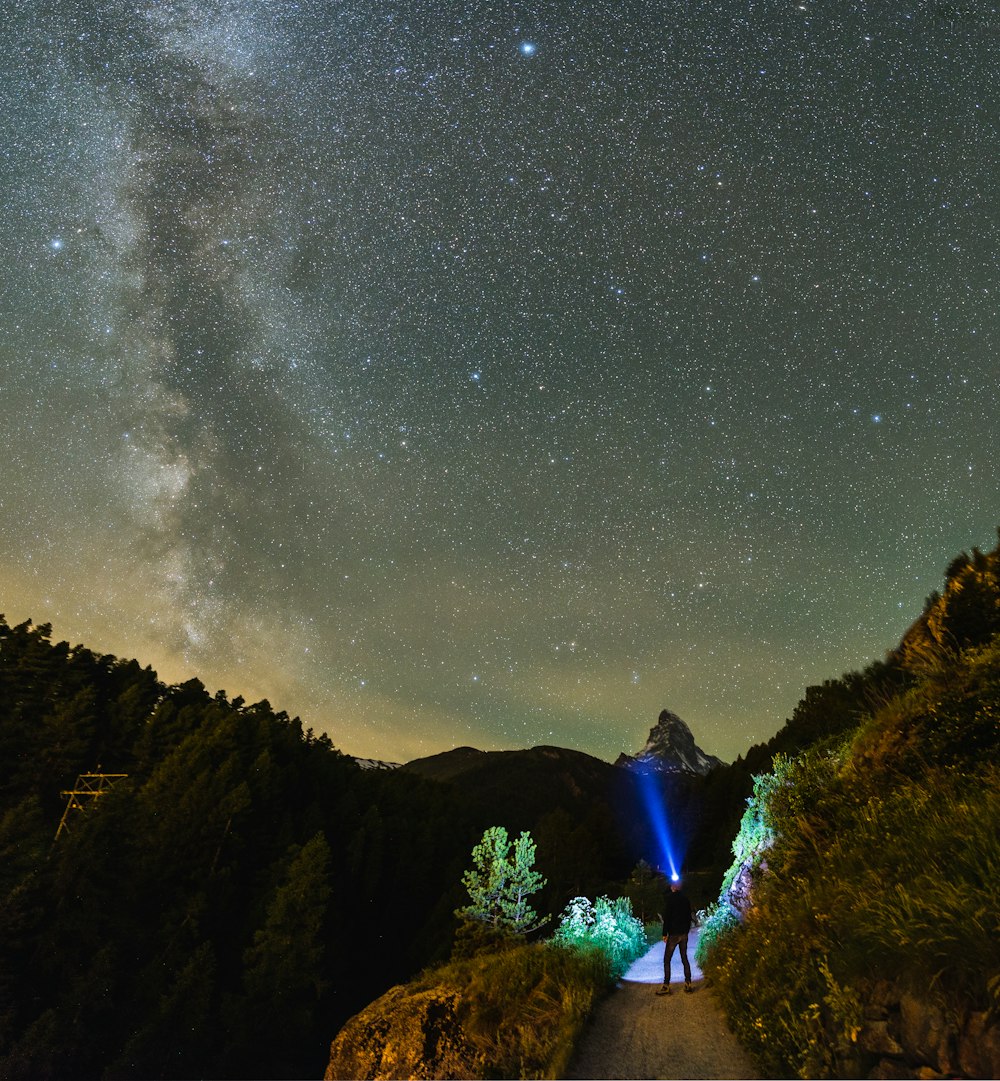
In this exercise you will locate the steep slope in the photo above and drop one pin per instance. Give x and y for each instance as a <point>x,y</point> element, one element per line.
<point>878,849</point>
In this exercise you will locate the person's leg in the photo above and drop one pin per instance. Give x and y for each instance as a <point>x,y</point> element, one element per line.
<point>668,953</point>
<point>684,960</point>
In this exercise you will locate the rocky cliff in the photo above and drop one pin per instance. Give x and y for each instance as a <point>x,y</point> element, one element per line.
<point>903,1035</point>
<point>670,748</point>
<point>406,1033</point>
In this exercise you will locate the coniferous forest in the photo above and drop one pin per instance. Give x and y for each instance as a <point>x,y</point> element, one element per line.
<point>242,887</point>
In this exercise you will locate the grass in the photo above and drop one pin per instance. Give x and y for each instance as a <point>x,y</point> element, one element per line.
<point>524,1008</point>
<point>523,1005</point>
<point>878,856</point>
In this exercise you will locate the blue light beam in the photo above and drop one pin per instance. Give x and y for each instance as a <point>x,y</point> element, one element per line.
<point>652,797</point>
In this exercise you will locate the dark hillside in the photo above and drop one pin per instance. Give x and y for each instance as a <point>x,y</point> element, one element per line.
<point>964,615</point>
<point>444,766</point>
<point>588,817</point>
<point>523,785</point>
<point>824,714</point>
<point>583,813</point>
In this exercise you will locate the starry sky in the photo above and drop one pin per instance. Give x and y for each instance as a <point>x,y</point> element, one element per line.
<point>501,374</point>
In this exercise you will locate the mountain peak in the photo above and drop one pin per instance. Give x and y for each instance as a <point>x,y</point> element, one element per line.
<point>670,748</point>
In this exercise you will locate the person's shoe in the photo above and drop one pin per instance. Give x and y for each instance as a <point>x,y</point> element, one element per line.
<point>688,988</point>
<point>664,990</point>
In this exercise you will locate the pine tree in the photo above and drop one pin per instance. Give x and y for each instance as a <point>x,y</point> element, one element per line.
<point>501,882</point>
<point>285,960</point>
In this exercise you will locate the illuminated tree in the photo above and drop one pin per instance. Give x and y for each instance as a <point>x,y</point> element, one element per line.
<point>501,882</point>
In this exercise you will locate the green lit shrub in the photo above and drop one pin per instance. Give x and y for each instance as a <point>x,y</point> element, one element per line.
<point>755,835</point>
<point>717,920</point>
<point>606,926</point>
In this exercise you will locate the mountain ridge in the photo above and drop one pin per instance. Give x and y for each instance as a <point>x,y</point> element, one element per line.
<point>669,748</point>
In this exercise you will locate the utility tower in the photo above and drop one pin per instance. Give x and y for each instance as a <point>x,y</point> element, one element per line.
<point>88,788</point>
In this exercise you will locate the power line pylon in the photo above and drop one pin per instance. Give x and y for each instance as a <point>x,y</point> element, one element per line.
<point>88,788</point>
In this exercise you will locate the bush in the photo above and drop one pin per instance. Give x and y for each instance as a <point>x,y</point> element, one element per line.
<point>717,921</point>
<point>606,926</point>
<point>524,1006</point>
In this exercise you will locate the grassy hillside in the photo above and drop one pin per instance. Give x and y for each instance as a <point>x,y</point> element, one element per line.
<point>873,854</point>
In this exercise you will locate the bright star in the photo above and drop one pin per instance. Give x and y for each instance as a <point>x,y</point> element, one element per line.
<point>527,48</point>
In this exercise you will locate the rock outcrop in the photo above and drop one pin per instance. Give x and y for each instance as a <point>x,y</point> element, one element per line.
<point>405,1033</point>
<point>670,748</point>
<point>905,1036</point>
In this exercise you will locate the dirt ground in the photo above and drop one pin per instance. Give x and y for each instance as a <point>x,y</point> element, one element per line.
<point>638,1034</point>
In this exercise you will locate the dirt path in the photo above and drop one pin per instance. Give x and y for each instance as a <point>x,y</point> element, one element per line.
<point>638,1034</point>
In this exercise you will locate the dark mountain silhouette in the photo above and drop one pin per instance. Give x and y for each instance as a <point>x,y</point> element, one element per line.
<point>568,775</point>
<point>585,815</point>
<point>447,764</point>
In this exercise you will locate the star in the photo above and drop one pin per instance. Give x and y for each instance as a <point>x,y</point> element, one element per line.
<point>377,365</point>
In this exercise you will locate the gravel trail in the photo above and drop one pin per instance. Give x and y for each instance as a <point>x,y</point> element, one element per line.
<point>637,1034</point>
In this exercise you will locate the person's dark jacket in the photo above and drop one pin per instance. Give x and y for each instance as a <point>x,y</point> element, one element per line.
<point>676,914</point>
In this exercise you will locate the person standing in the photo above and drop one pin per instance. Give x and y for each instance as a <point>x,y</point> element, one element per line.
<point>676,927</point>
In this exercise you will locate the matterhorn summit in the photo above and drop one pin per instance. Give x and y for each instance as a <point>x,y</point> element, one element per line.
<point>670,749</point>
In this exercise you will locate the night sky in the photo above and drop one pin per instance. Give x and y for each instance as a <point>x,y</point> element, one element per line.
<point>474,373</point>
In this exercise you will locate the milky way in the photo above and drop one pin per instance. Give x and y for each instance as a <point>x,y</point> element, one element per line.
<point>497,375</point>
